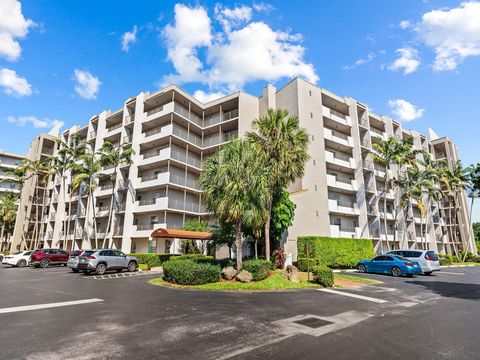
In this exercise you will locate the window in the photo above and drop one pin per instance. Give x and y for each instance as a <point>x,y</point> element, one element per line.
<point>388,258</point>
<point>414,254</point>
<point>313,138</point>
<point>337,221</point>
<point>51,252</point>
<point>315,187</point>
<point>314,162</point>
<point>379,258</point>
<point>119,253</point>
<point>311,115</point>
<point>156,172</point>
<point>310,92</point>
<point>62,252</point>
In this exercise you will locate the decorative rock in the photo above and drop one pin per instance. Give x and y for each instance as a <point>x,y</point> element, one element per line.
<point>229,272</point>
<point>292,274</point>
<point>244,276</point>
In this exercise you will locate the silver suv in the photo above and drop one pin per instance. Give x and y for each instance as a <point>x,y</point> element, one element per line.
<point>427,259</point>
<point>101,260</point>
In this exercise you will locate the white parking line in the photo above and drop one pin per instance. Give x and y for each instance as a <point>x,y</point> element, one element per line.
<point>448,273</point>
<point>361,297</point>
<point>47,306</point>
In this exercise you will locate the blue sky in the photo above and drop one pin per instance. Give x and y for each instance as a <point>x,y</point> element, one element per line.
<point>64,61</point>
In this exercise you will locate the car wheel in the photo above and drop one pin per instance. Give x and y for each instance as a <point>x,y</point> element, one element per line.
<point>75,270</point>
<point>396,271</point>
<point>362,268</point>
<point>100,269</point>
<point>44,263</point>
<point>428,273</point>
<point>132,266</point>
<point>22,263</point>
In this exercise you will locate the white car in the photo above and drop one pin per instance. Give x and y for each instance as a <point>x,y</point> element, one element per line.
<point>19,259</point>
<point>427,259</point>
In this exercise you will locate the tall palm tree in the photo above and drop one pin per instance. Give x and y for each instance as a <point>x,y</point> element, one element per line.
<point>8,212</point>
<point>87,171</point>
<point>388,153</point>
<point>283,145</point>
<point>114,156</point>
<point>473,176</point>
<point>234,182</point>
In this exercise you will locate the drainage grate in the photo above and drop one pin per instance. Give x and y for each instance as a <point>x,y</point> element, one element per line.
<point>313,322</point>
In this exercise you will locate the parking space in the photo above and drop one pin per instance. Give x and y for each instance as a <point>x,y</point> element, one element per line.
<point>58,312</point>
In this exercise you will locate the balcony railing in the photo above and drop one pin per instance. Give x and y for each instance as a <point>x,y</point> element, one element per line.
<point>365,143</point>
<point>348,228</point>
<point>127,139</point>
<point>154,131</point>
<point>345,180</point>
<point>114,127</point>
<point>123,184</point>
<point>142,227</point>
<point>93,134</point>
<point>179,109</point>
<point>182,156</point>
<point>106,186</point>
<point>184,134</point>
<point>348,204</point>
<point>147,202</point>
<point>152,153</point>
<point>376,131</point>
<point>154,110</point>
<point>340,135</point>
<point>118,231</point>
<point>129,119</point>
<point>338,113</point>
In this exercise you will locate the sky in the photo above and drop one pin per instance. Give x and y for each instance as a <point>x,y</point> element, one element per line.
<point>62,62</point>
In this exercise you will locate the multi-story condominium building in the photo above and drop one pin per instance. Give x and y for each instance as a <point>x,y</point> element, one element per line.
<point>8,162</point>
<point>172,135</point>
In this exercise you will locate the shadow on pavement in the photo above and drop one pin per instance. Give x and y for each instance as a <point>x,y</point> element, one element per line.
<point>449,289</point>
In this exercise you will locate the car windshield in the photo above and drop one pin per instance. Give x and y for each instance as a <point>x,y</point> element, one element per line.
<point>18,253</point>
<point>87,253</point>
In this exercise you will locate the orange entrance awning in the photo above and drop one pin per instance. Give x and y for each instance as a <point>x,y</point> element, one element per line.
<point>181,234</point>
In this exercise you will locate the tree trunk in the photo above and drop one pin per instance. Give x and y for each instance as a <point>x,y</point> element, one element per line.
<point>385,218</point>
<point>426,222</point>
<point>69,214</point>
<point>1,232</point>
<point>267,230</point>
<point>64,207</point>
<point>256,248</point>
<point>94,220</point>
<point>110,215</point>
<point>239,244</point>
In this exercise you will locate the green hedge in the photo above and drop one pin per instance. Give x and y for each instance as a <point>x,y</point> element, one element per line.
<point>189,272</point>
<point>195,257</point>
<point>323,275</point>
<point>339,253</point>
<point>260,269</point>
<point>153,260</point>
<point>302,264</point>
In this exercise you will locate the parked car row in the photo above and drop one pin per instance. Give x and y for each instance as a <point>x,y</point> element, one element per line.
<point>96,261</point>
<point>402,262</point>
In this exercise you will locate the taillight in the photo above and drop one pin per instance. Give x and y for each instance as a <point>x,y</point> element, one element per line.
<point>409,264</point>
<point>428,258</point>
<point>91,257</point>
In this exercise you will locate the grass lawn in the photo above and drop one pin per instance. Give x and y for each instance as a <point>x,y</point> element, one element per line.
<point>273,282</point>
<point>357,279</point>
<point>465,263</point>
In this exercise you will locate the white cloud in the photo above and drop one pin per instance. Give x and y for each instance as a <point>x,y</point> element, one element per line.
<point>130,37</point>
<point>233,57</point>
<point>263,7</point>
<point>34,121</point>
<point>13,26</point>
<point>408,61</point>
<point>404,110</point>
<point>235,17</point>
<point>360,61</point>
<point>13,84</point>
<point>453,34</point>
<point>87,85</point>
<point>205,97</point>
<point>404,24</point>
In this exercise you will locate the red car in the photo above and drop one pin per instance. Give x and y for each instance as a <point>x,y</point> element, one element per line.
<point>45,257</point>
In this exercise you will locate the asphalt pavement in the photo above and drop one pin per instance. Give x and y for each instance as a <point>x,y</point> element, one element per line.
<point>56,314</point>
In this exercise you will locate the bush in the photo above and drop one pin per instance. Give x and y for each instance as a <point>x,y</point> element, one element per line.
<point>337,253</point>
<point>279,258</point>
<point>223,263</point>
<point>445,261</point>
<point>302,264</point>
<point>189,272</point>
<point>260,269</point>
<point>153,260</point>
<point>143,267</point>
<point>194,257</point>
<point>323,275</point>
<point>476,258</point>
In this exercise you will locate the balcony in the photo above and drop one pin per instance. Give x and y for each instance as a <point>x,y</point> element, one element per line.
<point>122,185</point>
<point>219,118</point>
<point>188,136</point>
<point>336,116</point>
<point>220,139</point>
<point>344,207</point>
<point>114,127</point>
<point>379,170</point>
<point>93,134</point>
<point>118,231</point>
<point>378,133</point>
<point>189,206</point>
<point>79,234</point>
<point>184,181</point>
<point>145,230</point>
<point>149,181</point>
<point>103,210</point>
<point>127,140</point>
<point>344,231</point>
<point>157,133</point>
<point>52,216</point>
<point>181,156</point>
<point>340,159</point>
<point>343,183</point>
<point>390,236</point>
<point>154,155</point>
<point>184,112</point>
<point>129,119</point>
<point>389,214</point>
<point>337,137</point>
<point>150,205</point>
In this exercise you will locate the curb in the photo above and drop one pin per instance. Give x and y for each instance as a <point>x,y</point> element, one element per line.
<point>454,266</point>
<point>346,270</point>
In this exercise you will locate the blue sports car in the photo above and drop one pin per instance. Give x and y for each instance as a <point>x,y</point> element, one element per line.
<point>390,264</point>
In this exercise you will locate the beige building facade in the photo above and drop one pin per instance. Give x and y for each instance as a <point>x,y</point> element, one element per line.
<point>172,135</point>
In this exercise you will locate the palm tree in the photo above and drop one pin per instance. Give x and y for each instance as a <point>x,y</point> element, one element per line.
<point>283,145</point>
<point>191,246</point>
<point>87,172</point>
<point>114,156</point>
<point>234,182</point>
<point>473,175</point>
<point>388,153</point>
<point>8,211</point>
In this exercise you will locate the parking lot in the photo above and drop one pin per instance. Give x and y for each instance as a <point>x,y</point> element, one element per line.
<point>56,314</point>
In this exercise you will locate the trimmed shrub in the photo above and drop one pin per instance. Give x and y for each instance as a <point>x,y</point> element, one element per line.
<point>279,258</point>
<point>476,258</point>
<point>323,275</point>
<point>260,269</point>
<point>337,253</point>
<point>189,272</point>
<point>143,267</point>
<point>153,260</point>
<point>194,257</point>
<point>226,263</point>
<point>445,261</point>
<point>302,264</point>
